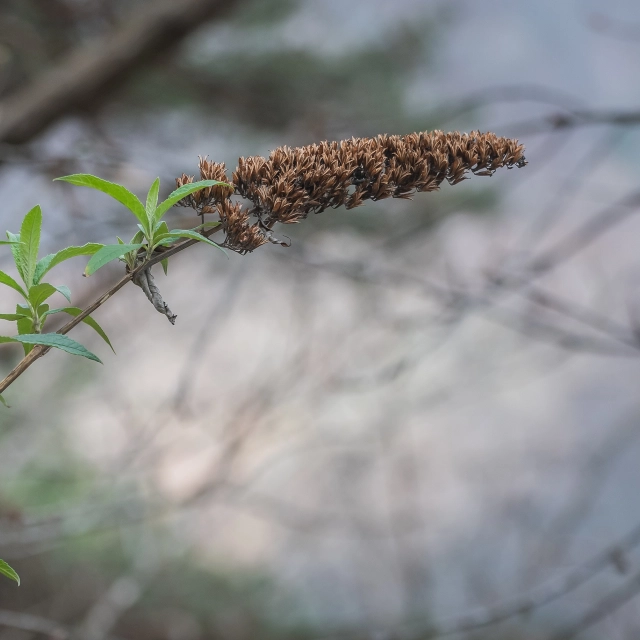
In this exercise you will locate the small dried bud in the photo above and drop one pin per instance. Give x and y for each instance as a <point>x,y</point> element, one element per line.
<point>213,171</point>
<point>189,201</point>
<point>242,236</point>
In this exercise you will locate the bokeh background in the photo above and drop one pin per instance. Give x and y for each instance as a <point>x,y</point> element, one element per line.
<point>422,418</point>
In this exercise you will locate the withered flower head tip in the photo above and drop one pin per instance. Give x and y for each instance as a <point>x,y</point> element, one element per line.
<point>294,182</point>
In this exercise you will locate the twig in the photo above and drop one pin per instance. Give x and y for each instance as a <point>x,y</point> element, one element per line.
<point>213,318</point>
<point>575,119</point>
<point>33,624</point>
<point>123,594</point>
<point>585,235</point>
<point>539,597</point>
<point>92,71</point>
<point>39,350</point>
<point>605,607</point>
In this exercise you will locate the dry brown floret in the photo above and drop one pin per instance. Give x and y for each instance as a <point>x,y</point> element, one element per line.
<point>294,182</point>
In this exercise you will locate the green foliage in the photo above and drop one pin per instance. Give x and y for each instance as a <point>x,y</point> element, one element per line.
<point>29,245</point>
<point>116,191</point>
<point>38,293</point>
<point>152,198</point>
<point>153,232</point>
<point>182,192</point>
<point>12,316</point>
<point>107,254</point>
<point>10,282</point>
<point>53,259</point>
<point>56,340</point>
<point>76,311</point>
<point>7,571</point>
<point>176,234</point>
<point>31,315</point>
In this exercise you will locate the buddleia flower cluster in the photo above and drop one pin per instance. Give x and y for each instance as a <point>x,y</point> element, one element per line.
<point>294,182</point>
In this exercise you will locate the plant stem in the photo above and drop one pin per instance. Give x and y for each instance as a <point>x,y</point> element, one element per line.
<point>38,351</point>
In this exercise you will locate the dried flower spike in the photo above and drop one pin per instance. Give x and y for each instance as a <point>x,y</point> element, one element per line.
<point>294,182</point>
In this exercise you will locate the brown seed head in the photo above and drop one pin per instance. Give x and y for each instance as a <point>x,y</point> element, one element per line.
<point>294,182</point>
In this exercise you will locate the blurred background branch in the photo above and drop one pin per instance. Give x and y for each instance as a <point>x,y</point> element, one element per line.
<point>90,73</point>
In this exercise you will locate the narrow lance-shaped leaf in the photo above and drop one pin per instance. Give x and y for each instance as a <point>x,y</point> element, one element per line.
<point>4,402</point>
<point>55,340</point>
<point>10,282</point>
<point>30,243</point>
<point>12,316</point>
<point>10,242</point>
<point>5,569</point>
<point>53,259</point>
<point>160,228</point>
<point>24,325</point>
<point>75,311</point>
<point>108,253</point>
<point>176,234</point>
<point>152,199</point>
<point>16,251</point>
<point>183,192</point>
<point>138,238</point>
<point>116,191</point>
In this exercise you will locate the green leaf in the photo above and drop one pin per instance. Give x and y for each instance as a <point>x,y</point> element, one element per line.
<point>4,402</point>
<point>165,265</point>
<point>108,253</point>
<point>138,238</point>
<point>175,234</point>
<point>53,259</point>
<point>116,191</point>
<point>30,243</point>
<point>152,199</point>
<point>182,192</point>
<point>25,325</point>
<point>16,251</point>
<point>131,257</point>
<point>10,282</point>
<point>65,291</point>
<point>10,242</point>
<point>55,340</point>
<point>5,569</point>
<point>160,228</point>
<point>12,316</point>
<point>41,292</point>
<point>74,311</point>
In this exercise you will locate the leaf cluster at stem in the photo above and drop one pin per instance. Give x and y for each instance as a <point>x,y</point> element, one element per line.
<point>153,235</point>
